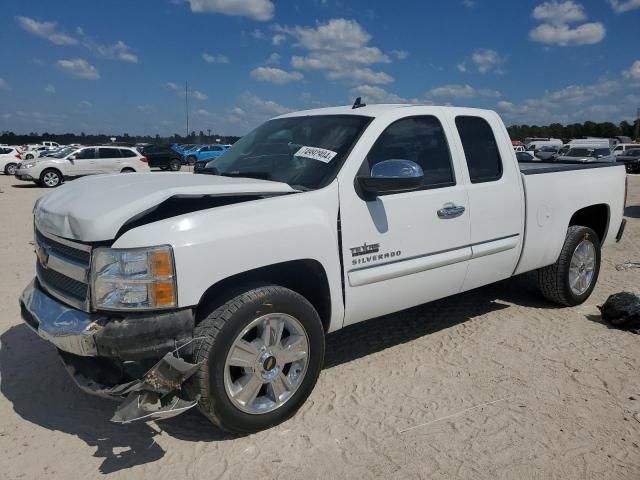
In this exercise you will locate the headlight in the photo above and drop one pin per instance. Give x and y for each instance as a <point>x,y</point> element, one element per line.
<point>28,165</point>
<point>133,279</point>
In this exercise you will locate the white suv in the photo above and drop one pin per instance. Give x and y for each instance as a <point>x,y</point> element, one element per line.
<point>51,171</point>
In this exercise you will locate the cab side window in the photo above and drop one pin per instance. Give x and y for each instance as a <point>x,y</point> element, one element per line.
<point>421,140</point>
<point>86,154</point>
<point>480,149</point>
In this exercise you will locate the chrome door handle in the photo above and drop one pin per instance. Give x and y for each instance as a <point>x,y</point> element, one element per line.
<point>449,210</point>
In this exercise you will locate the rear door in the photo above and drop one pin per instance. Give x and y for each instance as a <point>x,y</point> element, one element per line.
<point>109,160</point>
<point>400,250</point>
<point>496,198</point>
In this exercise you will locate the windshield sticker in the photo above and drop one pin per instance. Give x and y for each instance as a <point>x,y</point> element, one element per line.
<point>320,154</point>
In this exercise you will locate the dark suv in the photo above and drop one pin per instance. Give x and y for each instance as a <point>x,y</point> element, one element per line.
<point>163,157</point>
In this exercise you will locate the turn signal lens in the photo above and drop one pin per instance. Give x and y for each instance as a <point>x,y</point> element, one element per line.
<point>163,292</point>
<point>161,261</point>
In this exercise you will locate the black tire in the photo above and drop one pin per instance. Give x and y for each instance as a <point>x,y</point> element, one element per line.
<point>50,174</point>
<point>220,329</point>
<point>10,168</point>
<point>175,165</point>
<point>191,161</point>
<point>553,280</point>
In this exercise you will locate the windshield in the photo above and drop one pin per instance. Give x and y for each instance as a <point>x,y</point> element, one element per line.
<point>305,152</point>
<point>63,153</point>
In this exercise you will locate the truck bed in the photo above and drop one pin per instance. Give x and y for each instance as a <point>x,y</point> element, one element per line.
<point>535,168</point>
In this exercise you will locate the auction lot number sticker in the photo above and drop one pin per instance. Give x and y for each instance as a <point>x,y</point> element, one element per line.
<point>315,153</point>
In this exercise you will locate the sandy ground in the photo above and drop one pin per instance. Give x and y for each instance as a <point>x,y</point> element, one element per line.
<point>494,383</point>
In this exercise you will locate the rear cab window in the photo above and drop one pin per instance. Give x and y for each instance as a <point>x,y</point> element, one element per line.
<point>480,149</point>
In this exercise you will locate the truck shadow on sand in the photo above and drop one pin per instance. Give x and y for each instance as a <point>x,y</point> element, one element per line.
<point>40,390</point>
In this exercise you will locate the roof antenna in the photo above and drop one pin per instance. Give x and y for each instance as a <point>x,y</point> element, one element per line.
<point>358,103</point>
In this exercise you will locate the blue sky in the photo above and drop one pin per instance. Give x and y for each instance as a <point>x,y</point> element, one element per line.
<point>121,66</point>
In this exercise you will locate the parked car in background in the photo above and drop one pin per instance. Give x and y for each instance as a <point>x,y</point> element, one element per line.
<point>9,159</point>
<point>519,148</point>
<point>50,172</point>
<point>525,157</point>
<point>631,160</point>
<point>590,143</point>
<point>548,152</point>
<point>205,152</point>
<point>538,143</point>
<point>586,155</point>
<point>621,148</point>
<point>163,157</point>
<point>34,151</point>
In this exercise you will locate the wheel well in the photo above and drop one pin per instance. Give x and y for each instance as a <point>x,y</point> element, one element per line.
<point>54,169</point>
<point>595,217</point>
<point>306,277</point>
<point>127,169</point>
<point>6,167</point>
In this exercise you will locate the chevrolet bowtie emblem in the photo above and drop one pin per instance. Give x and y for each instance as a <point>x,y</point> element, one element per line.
<point>43,256</point>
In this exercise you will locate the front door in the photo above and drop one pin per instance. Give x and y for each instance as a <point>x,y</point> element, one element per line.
<point>404,249</point>
<point>84,163</point>
<point>109,160</point>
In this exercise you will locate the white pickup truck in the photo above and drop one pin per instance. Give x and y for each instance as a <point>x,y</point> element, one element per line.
<point>176,290</point>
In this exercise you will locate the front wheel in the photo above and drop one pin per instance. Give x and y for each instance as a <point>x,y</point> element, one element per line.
<point>573,277</point>
<point>260,355</point>
<point>50,178</point>
<point>11,169</point>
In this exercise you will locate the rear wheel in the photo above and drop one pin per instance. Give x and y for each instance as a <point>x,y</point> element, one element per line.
<point>191,160</point>
<point>573,277</point>
<point>175,165</point>
<point>10,169</point>
<point>50,178</point>
<point>260,354</point>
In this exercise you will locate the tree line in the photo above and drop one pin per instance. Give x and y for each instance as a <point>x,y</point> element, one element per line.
<point>11,138</point>
<point>575,130</point>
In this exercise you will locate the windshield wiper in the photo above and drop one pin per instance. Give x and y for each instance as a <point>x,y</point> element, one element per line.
<point>256,175</point>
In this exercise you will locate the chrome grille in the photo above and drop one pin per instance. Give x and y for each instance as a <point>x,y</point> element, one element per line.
<point>63,269</point>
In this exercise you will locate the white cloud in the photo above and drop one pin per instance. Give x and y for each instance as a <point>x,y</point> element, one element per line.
<point>462,91</point>
<point>257,34</point>
<point>339,48</point>
<point>565,36</point>
<point>173,86</point>
<point>274,59</point>
<point>469,3</point>
<point>375,94</point>
<point>146,108</point>
<point>622,6</point>
<point>634,71</point>
<point>46,30</point>
<point>559,12</point>
<point>252,110</point>
<point>600,101</point>
<point>400,54</point>
<point>555,29</point>
<point>49,88</point>
<point>198,95</point>
<point>278,39</point>
<point>80,68</point>
<point>214,58</point>
<point>86,104</point>
<point>256,9</point>
<point>275,75</point>
<point>202,112</point>
<point>483,60</point>
<point>117,51</point>
<point>4,85</point>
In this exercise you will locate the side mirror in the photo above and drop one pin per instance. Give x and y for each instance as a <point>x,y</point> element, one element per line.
<point>392,176</point>
<point>71,158</point>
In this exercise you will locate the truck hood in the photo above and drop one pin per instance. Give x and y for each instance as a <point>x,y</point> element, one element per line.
<point>95,208</point>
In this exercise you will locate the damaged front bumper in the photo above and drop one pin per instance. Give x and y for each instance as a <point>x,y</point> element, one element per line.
<point>137,358</point>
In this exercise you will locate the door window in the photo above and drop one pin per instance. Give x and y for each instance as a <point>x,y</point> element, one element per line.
<point>124,153</point>
<point>421,140</point>
<point>86,154</point>
<point>108,153</point>
<point>480,149</point>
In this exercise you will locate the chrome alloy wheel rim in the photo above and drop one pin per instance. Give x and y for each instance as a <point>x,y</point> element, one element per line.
<point>51,179</point>
<point>11,169</point>
<point>582,267</point>
<point>266,363</point>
